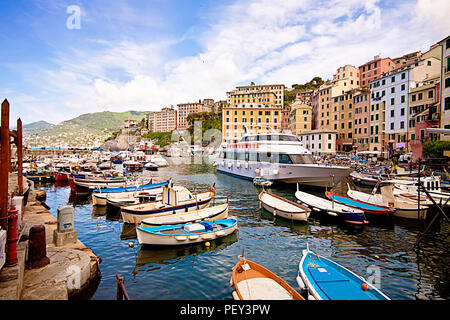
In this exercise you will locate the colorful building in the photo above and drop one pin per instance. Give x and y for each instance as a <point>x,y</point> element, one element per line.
<point>253,109</point>
<point>300,118</point>
<point>163,121</point>
<point>319,141</point>
<point>424,113</point>
<point>445,85</point>
<point>361,106</point>
<point>373,69</point>
<point>184,109</point>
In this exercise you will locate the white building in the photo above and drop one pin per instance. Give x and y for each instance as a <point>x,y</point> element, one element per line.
<point>393,89</point>
<point>320,141</point>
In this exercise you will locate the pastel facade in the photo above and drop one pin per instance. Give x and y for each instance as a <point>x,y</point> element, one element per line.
<point>361,105</point>
<point>320,141</point>
<point>445,86</point>
<point>184,109</point>
<point>391,92</point>
<point>424,113</point>
<point>374,69</point>
<point>163,121</point>
<point>300,119</point>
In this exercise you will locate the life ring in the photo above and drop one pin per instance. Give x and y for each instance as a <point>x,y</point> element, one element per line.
<point>211,189</point>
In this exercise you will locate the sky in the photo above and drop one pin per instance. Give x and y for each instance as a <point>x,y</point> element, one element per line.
<point>56,64</point>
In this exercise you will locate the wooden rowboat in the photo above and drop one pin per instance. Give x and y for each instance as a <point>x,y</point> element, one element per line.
<point>252,281</point>
<point>284,208</point>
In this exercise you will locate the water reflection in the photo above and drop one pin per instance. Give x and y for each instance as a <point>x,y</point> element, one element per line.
<point>149,256</point>
<point>407,272</point>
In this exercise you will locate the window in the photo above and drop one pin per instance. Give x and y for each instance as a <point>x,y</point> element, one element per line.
<point>413,97</point>
<point>402,99</point>
<point>420,96</point>
<point>393,79</point>
<point>393,90</point>
<point>447,103</point>
<point>392,113</point>
<point>447,82</point>
<point>403,75</point>
<point>402,124</point>
<point>392,126</point>
<point>430,94</point>
<point>392,101</point>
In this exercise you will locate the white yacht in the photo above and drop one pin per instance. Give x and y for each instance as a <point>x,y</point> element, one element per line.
<point>277,157</point>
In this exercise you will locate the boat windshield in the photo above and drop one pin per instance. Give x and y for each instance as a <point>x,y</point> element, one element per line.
<point>302,158</point>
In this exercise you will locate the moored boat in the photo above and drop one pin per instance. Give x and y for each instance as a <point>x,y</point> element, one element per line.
<point>325,279</point>
<point>368,208</point>
<point>175,199</point>
<point>252,281</point>
<point>182,234</point>
<point>259,181</point>
<point>218,212</point>
<point>331,208</point>
<point>282,207</point>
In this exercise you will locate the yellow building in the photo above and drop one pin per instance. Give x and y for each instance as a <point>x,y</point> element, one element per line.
<point>277,89</point>
<point>300,119</point>
<point>255,110</point>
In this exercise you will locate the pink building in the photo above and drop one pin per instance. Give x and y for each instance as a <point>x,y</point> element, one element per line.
<point>373,69</point>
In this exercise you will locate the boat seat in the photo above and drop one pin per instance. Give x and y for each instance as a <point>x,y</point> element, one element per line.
<point>262,289</point>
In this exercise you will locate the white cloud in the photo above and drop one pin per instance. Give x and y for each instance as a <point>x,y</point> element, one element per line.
<point>263,41</point>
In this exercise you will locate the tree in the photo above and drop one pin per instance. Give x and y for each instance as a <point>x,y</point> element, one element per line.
<point>435,148</point>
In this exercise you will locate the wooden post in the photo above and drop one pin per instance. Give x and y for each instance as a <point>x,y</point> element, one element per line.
<point>19,156</point>
<point>4,164</point>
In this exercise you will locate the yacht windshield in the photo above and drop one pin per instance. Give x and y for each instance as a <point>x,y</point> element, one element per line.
<point>302,158</point>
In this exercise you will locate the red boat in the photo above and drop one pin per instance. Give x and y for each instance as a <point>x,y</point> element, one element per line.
<point>60,176</point>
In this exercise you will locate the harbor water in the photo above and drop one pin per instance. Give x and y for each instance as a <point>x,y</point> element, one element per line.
<point>383,252</point>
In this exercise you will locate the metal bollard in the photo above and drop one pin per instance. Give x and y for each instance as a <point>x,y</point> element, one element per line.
<point>37,248</point>
<point>11,249</point>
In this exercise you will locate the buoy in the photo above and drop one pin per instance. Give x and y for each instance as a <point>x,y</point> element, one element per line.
<point>207,244</point>
<point>131,244</point>
<point>365,287</point>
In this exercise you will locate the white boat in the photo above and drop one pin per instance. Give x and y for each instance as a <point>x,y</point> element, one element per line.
<point>331,208</point>
<point>175,199</point>
<point>262,182</point>
<point>279,158</point>
<point>159,161</point>
<point>431,184</point>
<point>404,208</point>
<point>151,166</point>
<point>284,208</point>
<point>182,234</point>
<point>218,212</point>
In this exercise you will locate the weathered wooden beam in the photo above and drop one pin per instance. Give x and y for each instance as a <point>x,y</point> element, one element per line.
<point>4,164</point>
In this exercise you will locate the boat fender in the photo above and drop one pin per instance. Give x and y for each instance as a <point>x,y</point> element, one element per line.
<point>212,189</point>
<point>238,165</point>
<point>256,170</point>
<point>231,282</point>
<point>246,165</point>
<point>229,164</point>
<point>275,172</point>
<point>365,287</point>
<point>332,214</point>
<point>300,282</point>
<point>235,295</point>
<point>311,297</point>
<point>275,212</point>
<point>223,163</point>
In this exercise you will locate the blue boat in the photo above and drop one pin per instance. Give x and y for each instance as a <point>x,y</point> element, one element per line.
<point>368,208</point>
<point>186,233</point>
<point>326,280</point>
<point>141,187</point>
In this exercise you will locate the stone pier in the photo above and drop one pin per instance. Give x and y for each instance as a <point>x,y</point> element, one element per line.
<point>73,271</point>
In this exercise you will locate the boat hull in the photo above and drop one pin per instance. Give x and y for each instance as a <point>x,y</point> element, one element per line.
<point>150,238</point>
<point>305,174</point>
<point>189,217</point>
<point>300,215</point>
<point>327,280</point>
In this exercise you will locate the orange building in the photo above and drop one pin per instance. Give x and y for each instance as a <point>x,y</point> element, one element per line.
<point>184,109</point>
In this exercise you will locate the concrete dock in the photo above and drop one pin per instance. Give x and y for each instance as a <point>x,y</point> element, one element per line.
<point>73,271</point>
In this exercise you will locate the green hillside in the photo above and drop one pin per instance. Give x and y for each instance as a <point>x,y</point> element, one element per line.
<point>105,120</point>
<point>36,126</point>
